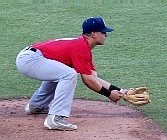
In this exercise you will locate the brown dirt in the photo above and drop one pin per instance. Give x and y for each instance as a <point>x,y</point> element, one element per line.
<point>96,120</point>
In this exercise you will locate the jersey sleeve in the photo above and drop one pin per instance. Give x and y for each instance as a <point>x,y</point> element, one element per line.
<point>82,61</point>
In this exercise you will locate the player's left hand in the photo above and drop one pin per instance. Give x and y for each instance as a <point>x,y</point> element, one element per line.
<point>137,96</point>
<point>124,91</point>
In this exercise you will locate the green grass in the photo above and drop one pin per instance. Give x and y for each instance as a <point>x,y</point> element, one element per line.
<point>134,54</point>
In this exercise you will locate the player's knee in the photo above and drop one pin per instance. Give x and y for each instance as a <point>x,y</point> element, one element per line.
<point>73,75</point>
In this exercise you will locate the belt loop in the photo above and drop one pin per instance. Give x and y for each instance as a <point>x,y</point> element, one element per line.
<point>33,49</point>
<point>28,47</point>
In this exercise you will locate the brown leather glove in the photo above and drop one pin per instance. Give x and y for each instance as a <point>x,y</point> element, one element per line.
<point>137,96</point>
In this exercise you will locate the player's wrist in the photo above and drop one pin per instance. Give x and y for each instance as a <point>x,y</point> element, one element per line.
<point>105,92</point>
<point>112,87</point>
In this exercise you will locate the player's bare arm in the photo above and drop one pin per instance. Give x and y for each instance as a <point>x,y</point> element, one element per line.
<point>101,81</point>
<point>92,82</point>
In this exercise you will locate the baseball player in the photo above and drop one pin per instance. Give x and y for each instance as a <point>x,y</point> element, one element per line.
<point>57,63</point>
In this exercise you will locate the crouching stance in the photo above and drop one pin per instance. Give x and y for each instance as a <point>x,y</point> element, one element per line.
<point>57,63</point>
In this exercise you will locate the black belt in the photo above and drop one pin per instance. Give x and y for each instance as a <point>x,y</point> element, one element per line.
<point>32,49</point>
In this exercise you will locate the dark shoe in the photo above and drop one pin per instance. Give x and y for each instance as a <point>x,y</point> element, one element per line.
<point>29,109</point>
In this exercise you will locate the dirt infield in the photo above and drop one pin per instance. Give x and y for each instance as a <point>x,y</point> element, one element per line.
<point>96,120</point>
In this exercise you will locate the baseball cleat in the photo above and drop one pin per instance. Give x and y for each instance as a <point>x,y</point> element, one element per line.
<point>29,109</point>
<point>58,122</point>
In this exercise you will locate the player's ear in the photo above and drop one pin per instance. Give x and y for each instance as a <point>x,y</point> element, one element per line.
<point>93,34</point>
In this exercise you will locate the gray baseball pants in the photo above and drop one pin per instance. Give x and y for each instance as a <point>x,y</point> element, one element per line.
<point>59,81</point>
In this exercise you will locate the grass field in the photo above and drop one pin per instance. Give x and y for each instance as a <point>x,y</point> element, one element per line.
<point>134,54</point>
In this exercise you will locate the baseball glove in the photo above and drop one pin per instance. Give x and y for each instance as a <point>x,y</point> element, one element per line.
<point>137,96</point>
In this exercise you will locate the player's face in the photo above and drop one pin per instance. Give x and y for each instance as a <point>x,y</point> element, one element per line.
<point>100,37</point>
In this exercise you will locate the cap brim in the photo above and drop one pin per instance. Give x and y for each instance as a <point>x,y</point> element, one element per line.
<point>107,30</point>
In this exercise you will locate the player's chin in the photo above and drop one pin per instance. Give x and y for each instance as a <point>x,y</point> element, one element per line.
<point>101,43</point>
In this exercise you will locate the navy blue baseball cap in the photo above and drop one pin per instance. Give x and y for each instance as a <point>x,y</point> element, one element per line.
<point>95,24</point>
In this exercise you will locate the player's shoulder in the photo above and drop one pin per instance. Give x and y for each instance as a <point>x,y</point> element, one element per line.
<point>65,39</point>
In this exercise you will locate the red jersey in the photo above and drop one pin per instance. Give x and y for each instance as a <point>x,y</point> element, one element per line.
<point>74,52</point>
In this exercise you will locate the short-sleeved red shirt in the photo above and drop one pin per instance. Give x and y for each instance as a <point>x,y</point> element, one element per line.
<point>74,52</point>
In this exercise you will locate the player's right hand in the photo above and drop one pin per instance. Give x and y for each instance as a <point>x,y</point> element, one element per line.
<point>115,95</point>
